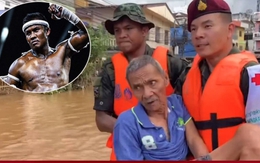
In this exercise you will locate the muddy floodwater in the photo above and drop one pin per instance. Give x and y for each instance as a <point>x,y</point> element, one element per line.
<point>50,127</point>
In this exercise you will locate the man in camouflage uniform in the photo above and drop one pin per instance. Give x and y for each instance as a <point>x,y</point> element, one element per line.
<point>130,28</point>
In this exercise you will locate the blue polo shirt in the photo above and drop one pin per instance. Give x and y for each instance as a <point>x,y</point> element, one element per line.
<point>136,138</point>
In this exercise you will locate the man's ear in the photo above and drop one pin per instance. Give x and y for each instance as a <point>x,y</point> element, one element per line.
<point>231,30</point>
<point>145,31</point>
<point>48,31</point>
<point>167,79</point>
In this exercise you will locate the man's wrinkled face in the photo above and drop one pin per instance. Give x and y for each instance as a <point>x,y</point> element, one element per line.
<point>149,87</point>
<point>36,36</point>
<point>210,34</point>
<point>129,34</point>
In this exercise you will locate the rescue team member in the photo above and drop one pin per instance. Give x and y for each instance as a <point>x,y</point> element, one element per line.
<point>215,89</point>
<point>112,92</point>
<point>160,128</point>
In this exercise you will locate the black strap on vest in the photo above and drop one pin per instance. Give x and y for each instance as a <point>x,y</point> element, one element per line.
<point>214,124</point>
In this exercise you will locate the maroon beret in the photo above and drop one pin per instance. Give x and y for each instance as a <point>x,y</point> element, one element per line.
<point>199,8</point>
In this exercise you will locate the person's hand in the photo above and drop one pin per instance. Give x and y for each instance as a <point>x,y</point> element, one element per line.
<point>55,11</point>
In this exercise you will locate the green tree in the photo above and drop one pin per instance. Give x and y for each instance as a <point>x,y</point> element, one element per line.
<point>99,46</point>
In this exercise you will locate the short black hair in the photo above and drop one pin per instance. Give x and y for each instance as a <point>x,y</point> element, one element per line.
<point>34,16</point>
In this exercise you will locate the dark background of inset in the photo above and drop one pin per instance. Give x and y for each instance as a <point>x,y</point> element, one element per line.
<point>16,43</point>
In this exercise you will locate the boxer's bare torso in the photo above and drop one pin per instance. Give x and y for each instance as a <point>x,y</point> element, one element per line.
<point>41,73</point>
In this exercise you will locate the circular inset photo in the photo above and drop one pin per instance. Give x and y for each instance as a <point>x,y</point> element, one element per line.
<point>43,47</point>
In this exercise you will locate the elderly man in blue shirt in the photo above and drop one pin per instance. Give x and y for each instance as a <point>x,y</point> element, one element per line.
<point>160,127</point>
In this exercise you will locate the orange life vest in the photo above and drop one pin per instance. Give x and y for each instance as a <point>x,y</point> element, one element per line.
<point>123,98</point>
<point>219,109</point>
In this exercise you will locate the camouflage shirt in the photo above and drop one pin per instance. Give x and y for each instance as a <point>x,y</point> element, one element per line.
<point>204,69</point>
<point>105,83</point>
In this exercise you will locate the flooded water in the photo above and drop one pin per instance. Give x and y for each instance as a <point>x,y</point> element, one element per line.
<point>50,127</point>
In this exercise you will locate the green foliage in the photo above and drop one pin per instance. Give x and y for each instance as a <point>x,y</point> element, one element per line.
<point>99,45</point>
<point>99,42</point>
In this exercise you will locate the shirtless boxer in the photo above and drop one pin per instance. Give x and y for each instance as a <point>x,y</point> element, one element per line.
<point>44,69</point>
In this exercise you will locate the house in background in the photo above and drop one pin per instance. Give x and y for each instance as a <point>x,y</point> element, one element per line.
<point>69,4</point>
<point>256,34</point>
<point>158,13</point>
<point>90,3</point>
<point>239,35</point>
<point>8,4</point>
<point>246,19</point>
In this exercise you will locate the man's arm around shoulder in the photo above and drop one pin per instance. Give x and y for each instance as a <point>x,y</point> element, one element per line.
<point>104,99</point>
<point>127,146</point>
